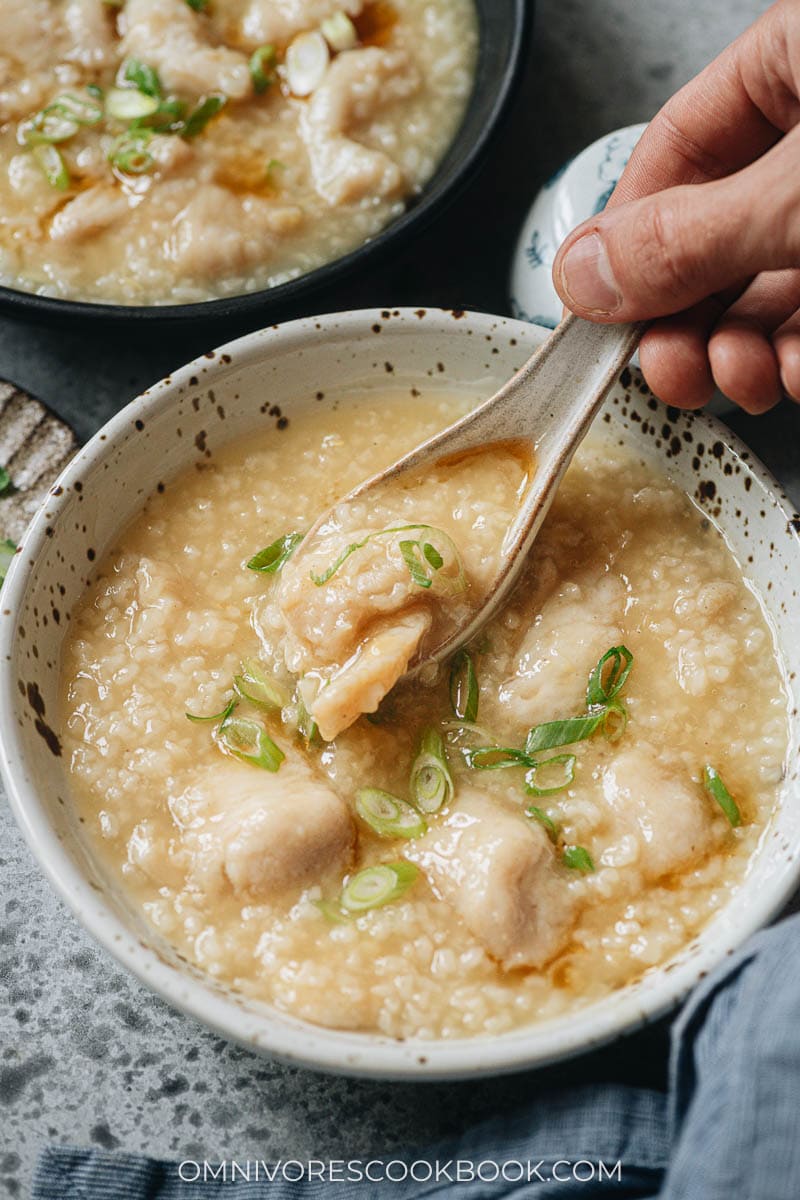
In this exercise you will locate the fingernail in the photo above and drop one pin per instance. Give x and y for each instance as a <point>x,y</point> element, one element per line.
<point>587,278</point>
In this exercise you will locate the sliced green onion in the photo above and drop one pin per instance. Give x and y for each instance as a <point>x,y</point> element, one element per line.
<point>7,551</point>
<point>454,728</point>
<point>408,550</point>
<point>431,782</point>
<point>130,152</point>
<point>600,691</point>
<point>376,886</point>
<point>339,31</point>
<point>562,733</point>
<point>496,758</point>
<point>262,64</point>
<point>577,858</point>
<point>215,717</point>
<point>712,782</point>
<point>615,721</point>
<point>249,741</point>
<point>81,108</point>
<point>53,166</point>
<point>549,825</point>
<point>332,912</point>
<point>5,480</point>
<point>464,695</point>
<point>50,125</point>
<point>168,117</point>
<point>270,560</point>
<point>306,725</point>
<point>254,685</point>
<point>143,77</point>
<point>535,787</point>
<point>198,5</point>
<point>388,815</point>
<point>199,117</point>
<point>129,104</point>
<point>416,568</point>
<point>95,91</point>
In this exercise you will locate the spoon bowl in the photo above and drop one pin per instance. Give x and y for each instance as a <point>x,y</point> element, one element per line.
<point>547,406</point>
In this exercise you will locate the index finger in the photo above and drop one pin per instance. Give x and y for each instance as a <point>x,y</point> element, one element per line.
<point>727,116</point>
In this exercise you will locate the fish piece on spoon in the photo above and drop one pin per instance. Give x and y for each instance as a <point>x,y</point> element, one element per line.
<point>392,580</point>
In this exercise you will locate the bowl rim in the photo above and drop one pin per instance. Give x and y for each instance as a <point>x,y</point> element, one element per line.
<point>429,203</point>
<point>270,1031</point>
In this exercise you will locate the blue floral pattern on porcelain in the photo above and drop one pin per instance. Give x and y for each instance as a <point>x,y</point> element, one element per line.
<point>581,188</point>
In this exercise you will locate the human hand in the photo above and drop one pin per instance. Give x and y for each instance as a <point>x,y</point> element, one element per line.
<point>703,230</point>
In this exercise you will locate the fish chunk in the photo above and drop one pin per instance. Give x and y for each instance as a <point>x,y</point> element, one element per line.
<point>220,233</point>
<point>664,813</point>
<point>356,85</point>
<point>270,834</point>
<point>278,21</point>
<point>557,655</point>
<point>89,213</point>
<point>498,872</point>
<point>91,33</point>
<point>170,36</point>
<point>363,681</point>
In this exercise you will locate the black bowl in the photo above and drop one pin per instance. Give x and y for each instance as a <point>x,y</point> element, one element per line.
<point>504,28</point>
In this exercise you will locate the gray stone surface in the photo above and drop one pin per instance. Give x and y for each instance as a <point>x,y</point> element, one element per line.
<point>86,1054</point>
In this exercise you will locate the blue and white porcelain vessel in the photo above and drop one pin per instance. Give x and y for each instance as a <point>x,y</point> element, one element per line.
<point>579,190</point>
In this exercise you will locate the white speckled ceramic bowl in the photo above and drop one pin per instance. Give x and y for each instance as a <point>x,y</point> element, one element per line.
<point>229,393</point>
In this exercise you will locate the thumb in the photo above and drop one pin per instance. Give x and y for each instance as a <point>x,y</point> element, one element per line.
<point>668,251</point>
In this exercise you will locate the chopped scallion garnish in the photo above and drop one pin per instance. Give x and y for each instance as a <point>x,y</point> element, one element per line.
<point>306,725</point>
<point>130,104</point>
<point>271,559</point>
<point>53,166</point>
<point>464,695</point>
<point>562,733</point>
<point>388,815</point>
<point>256,687</point>
<point>249,741</point>
<point>376,886</point>
<point>198,5</point>
<point>262,67</point>
<point>431,782</point>
<point>5,480</point>
<point>46,127</point>
<point>421,556</point>
<point>79,107</point>
<point>577,858</point>
<point>130,152</point>
<point>215,717</point>
<point>339,31</point>
<point>7,551</point>
<point>712,782</point>
<point>143,77</point>
<point>496,758</point>
<point>199,117</point>
<point>549,825</point>
<point>615,721</point>
<point>544,779</point>
<point>602,690</point>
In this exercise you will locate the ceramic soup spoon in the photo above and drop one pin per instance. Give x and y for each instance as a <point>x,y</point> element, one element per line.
<point>549,406</point>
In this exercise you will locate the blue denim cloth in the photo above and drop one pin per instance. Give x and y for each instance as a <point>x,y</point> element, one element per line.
<point>728,1130</point>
